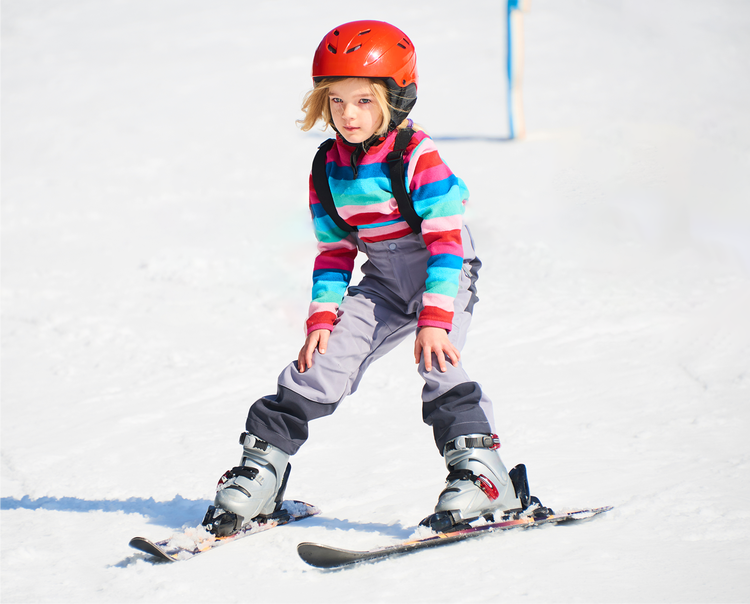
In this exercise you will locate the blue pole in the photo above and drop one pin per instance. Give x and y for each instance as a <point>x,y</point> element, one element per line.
<point>516,128</point>
<point>512,5</point>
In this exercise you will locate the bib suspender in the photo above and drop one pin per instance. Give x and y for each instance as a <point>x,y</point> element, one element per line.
<point>395,161</point>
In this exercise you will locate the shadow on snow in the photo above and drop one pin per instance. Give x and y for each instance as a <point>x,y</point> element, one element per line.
<point>177,513</point>
<point>394,530</point>
<point>469,138</point>
<point>173,514</point>
<point>458,138</point>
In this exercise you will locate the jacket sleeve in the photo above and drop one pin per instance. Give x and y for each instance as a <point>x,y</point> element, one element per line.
<point>439,197</point>
<point>333,267</point>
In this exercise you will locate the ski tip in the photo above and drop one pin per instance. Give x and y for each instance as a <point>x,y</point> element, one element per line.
<point>148,547</point>
<point>588,513</point>
<point>305,546</point>
<point>310,553</point>
<point>325,556</point>
<point>603,509</point>
<point>139,542</point>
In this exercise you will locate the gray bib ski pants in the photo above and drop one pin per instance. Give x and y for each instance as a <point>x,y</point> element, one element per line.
<point>374,317</point>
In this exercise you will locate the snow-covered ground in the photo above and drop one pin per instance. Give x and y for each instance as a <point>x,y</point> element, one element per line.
<point>156,257</point>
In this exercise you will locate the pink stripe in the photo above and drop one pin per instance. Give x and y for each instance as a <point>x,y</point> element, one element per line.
<point>430,323</point>
<point>343,158</point>
<point>384,231</point>
<point>440,301</point>
<point>347,244</point>
<point>344,263</point>
<point>440,247</point>
<point>426,146</point>
<point>397,235</point>
<point>331,307</point>
<point>313,193</point>
<point>385,208</point>
<point>377,156</point>
<point>317,326</point>
<point>442,224</point>
<point>432,174</point>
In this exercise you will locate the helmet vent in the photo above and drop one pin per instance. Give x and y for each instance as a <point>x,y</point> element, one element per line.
<point>404,43</point>
<point>363,32</point>
<point>357,47</point>
<point>331,49</point>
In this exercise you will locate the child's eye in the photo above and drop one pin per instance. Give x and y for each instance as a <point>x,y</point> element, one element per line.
<point>336,100</point>
<point>365,101</point>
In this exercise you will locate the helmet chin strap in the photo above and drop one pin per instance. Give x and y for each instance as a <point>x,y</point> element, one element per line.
<point>365,145</point>
<point>380,137</point>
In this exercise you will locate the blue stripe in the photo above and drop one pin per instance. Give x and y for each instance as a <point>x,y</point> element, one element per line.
<point>449,261</point>
<point>437,274</point>
<point>327,281</point>
<point>439,188</point>
<point>318,211</point>
<point>376,170</point>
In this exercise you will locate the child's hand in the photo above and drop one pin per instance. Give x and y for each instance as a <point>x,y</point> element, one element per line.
<point>435,340</point>
<point>315,339</point>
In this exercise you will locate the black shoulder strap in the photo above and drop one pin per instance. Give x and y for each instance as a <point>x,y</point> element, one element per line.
<point>395,161</point>
<point>323,189</point>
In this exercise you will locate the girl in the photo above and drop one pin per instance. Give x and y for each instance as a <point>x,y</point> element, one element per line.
<point>365,84</point>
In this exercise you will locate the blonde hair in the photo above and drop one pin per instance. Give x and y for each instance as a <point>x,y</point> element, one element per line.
<point>316,106</point>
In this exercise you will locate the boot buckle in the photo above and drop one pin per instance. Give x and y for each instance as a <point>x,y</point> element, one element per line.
<point>487,487</point>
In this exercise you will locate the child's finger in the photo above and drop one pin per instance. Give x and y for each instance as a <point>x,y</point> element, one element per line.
<point>454,356</point>
<point>322,342</point>
<point>441,360</point>
<point>305,357</point>
<point>427,354</point>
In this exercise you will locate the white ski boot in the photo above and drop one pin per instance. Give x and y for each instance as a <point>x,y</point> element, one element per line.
<point>477,485</point>
<point>254,488</point>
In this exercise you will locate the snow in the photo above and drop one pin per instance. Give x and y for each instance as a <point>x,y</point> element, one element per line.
<point>156,257</point>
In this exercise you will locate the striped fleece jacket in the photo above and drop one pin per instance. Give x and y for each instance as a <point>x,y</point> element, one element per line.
<point>364,199</point>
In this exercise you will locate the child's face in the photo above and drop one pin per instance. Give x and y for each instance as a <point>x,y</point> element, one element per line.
<point>355,112</point>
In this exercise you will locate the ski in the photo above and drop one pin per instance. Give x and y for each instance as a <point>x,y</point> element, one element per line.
<point>194,541</point>
<point>325,556</point>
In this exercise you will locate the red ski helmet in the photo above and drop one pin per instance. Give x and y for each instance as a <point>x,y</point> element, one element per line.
<point>371,49</point>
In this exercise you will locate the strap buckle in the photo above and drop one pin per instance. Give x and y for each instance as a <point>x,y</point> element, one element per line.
<point>250,441</point>
<point>478,441</point>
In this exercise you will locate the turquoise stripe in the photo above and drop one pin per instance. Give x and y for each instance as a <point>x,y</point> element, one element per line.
<point>360,192</point>
<point>439,273</point>
<point>377,225</point>
<point>449,203</point>
<point>326,230</point>
<point>327,297</point>
<point>442,287</point>
<point>329,291</point>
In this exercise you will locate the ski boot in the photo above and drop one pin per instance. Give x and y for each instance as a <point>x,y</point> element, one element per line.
<point>478,485</point>
<point>253,489</point>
